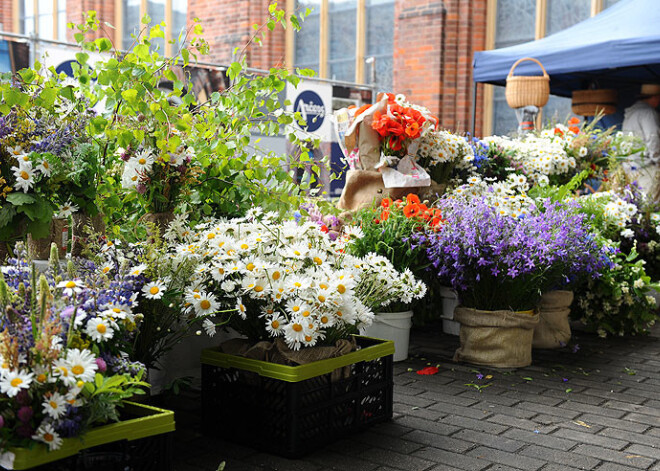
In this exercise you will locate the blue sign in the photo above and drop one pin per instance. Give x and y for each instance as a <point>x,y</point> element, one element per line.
<point>310,106</point>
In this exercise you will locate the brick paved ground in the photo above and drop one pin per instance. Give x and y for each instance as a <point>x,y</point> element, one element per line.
<point>597,408</point>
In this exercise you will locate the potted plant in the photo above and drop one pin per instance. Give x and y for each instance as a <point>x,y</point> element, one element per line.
<point>63,370</point>
<point>390,231</point>
<point>500,265</point>
<point>297,297</point>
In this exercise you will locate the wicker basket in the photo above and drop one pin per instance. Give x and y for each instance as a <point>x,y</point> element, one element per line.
<point>527,90</point>
<point>593,102</point>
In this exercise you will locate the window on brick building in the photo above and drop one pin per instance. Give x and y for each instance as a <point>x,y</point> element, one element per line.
<point>45,18</point>
<point>133,12</point>
<point>307,40</point>
<point>343,27</point>
<point>380,42</point>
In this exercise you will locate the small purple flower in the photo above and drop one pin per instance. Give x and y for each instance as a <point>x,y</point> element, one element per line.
<point>576,347</point>
<point>141,188</point>
<point>564,380</point>
<point>480,376</point>
<point>100,362</point>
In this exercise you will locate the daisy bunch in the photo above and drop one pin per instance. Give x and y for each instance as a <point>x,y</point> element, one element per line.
<point>269,278</point>
<point>50,366</point>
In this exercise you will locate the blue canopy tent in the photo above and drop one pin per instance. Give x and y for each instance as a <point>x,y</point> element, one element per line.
<point>618,48</point>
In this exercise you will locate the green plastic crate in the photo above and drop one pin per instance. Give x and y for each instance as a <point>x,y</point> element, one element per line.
<point>149,421</point>
<point>293,374</point>
<point>291,410</point>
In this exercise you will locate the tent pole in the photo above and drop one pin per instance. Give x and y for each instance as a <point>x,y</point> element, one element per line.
<point>474,108</point>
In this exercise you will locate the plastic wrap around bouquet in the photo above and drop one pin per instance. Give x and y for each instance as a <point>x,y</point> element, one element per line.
<point>380,142</point>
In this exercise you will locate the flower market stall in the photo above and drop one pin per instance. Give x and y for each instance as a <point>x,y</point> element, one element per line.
<point>184,229</point>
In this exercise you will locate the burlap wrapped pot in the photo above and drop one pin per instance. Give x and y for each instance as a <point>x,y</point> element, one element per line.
<point>500,339</point>
<point>553,329</point>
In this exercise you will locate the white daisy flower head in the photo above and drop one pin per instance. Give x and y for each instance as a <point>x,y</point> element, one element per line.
<point>130,177</point>
<point>137,270</point>
<point>206,304</point>
<point>24,176</point>
<point>172,159</point>
<point>45,168</point>
<point>12,381</point>
<point>154,290</point>
<point>99,329</point>
<point>143,161</point>
<point>275,324</point>
<point>82,364</point>
<point>47,434</point>
<point>241,309</point>
<point>209,327</point>
<point>628,233</point>
<point>106,268</point>
<point>66,210</point>
<point>71,287</point>
<point>54,405</point>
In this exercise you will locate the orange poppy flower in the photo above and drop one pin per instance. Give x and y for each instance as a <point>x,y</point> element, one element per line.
<point>361,110</point>
<point>411,210</point>
<point>574,120</point>
<point>558,132</point>
<point>386,203</point>
<point>574,129</point>
<point>412,198</point>
<point>384,216</point>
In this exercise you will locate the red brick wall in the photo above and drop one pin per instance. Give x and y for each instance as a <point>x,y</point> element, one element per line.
<point>434,42</point>
<point>105,12</point>
<point>228,24</point>
<point>6,17</point>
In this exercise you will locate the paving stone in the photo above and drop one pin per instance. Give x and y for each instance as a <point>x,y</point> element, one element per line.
<point>473,412</point>
<point>392,428</point>
<point>505,410</point>
<point>509,459</point>
<point>411,400</point>
<point>397,460</point>
<point>544,439</point>
<point>558,467</point>
<point>474,424</point>
<point>400,445</point>
<point>653,421</point>
<point>620,457</point>
<point>340,462</point>
<point>416,411</point>
<point>560,457</point>
<point>533,398</point>
<point>459,400</point>
<point>615,467</point>
<point>279,463</point>
<point>591,438</point>
<point>485,396</point>
<point>441,428</point>
<point>630,437</point>
<point>438,441</point>
<point>650,451</point>
<point>410,389</point>
<point>622,424</point>
<point>586,408</point>
<point>493,441</point>
<point>573,398</point>
<point>557,411</point>
<point>456,461</point>
<point>524,424</point>
<point>627,396</point>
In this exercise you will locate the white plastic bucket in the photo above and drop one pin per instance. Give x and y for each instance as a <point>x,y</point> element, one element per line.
<point>449,303</point>
<point>393,326</point>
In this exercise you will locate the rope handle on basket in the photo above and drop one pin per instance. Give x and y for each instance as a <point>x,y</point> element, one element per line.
<point>517,63</point>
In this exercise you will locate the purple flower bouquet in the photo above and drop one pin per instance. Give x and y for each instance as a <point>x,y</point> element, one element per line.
<point>498,262</point>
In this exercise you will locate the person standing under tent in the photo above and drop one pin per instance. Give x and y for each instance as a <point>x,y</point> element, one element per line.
<point>642,120</point>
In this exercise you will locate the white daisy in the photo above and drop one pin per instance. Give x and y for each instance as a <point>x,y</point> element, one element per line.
<point>71,287</point>
<point>154,290</point>
<point>206,304</point>
<point>45,168</point>
<point>117,311</point>
<point>172,159</point>
<point>54,405</point>
<point>107,268</point>
<point>66,210</point>
<point>129,178</point>
<point>241,309</point>
<point>12,382</point>
<point>275,325</point>
<point>99,329</point>
<point>209,327</point>
<point>137,270</point>
<point>143,161</point>
<point>47,434</point>
<point>82,364</point>
<point>24,177</point>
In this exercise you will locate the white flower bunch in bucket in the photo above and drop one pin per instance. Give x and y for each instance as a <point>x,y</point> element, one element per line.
<point>270,279</point>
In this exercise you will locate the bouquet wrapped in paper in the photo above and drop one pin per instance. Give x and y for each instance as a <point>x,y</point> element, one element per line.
<point>381,143</point>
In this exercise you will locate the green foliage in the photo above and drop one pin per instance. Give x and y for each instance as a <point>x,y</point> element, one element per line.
<point>107,393</point>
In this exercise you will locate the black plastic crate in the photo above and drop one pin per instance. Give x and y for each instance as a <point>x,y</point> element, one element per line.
<point>291,418</point>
